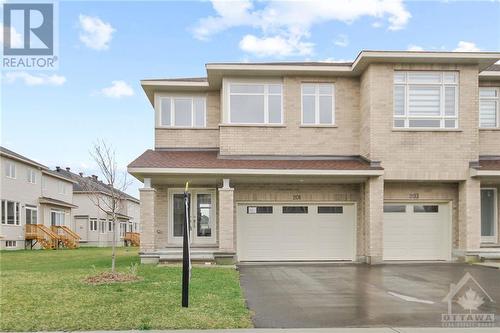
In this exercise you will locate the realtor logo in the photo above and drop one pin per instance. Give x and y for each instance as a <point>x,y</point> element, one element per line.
<point>471,297</point>
<point>29,36</point>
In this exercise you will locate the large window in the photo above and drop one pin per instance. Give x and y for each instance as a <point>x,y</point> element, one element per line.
<point>10,170</point>
<point>61,187</point>
<point>93,224</point>
<point>318,104</point>
<point>426,100</point>
<point>10,212</point>
<point>182,111</point>
<point>255,103</point>
<point>489,114</point>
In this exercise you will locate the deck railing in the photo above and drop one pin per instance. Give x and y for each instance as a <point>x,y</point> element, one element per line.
<point>134,238</point>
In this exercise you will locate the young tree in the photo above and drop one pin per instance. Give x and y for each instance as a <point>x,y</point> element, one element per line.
<point>107,195</point>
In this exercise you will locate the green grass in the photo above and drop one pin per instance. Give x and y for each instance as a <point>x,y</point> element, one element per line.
<point>43,290</point>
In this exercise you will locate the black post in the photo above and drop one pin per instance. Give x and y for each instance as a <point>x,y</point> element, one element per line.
<point>185,254</point>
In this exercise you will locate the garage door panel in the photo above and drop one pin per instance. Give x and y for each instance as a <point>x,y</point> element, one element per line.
<point>295,236</point>
<point>420,233</point>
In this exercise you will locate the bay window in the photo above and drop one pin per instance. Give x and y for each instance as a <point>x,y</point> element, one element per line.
<point>427,100</point>
<point>318,104</point>
<point>182,111</point>
<point>255,103</point>
<point>489,114</point>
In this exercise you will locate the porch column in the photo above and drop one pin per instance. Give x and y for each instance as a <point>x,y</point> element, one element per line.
<point>374,219</point>
<point>469,214</point>
<point>226,217</point>
<point>148,233</point>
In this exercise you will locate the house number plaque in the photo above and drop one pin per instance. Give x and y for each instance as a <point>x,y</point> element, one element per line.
<point>296,197</point>
<point>413,195</point>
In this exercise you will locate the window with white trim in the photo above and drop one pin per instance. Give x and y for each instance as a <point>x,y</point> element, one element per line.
<point>10,244</point>
<point>318,104</point>
<point>182,111</point>
<point>255,103</point>
<point>103,226</point>
<point>426,100</point>
<point>61,187</point>
<point>57,218</point>
<point>10,212</point>
<point>10,170</point>
<point>110,225</point>
<point>31,213</point>
<point>489,108</point>
<point>93,224</point>
<point>31,176</point>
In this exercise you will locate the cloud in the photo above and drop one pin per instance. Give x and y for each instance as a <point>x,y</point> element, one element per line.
<point>342,40</point>
<point>275,46</point>
<point>413,47</point>
<point>464,46</point>
<point>95,33</point>
<point>34,80</point>
<point>118,89</point>
<point>16,38</point>
<point>293,20</point>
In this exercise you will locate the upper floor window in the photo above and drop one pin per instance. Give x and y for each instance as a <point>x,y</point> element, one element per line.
<point>318,104</point>
<point>427,100</point>
<point>31,176</point>
<point>489,114</point>
<point>182,111</point>
<point>93,224</point>
<point>10,170</point>
<point>61,187</point>
<point>255,103</point>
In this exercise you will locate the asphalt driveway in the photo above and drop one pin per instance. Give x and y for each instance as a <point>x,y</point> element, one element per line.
<point>346,295</point>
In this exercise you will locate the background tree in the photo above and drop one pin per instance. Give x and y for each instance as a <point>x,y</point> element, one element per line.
<point>108,195</point>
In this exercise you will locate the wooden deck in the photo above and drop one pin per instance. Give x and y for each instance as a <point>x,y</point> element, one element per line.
<point>132,239</point>
<point>51,238</point>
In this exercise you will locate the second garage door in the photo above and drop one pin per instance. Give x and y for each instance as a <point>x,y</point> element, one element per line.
<point>417,231</point>
<point>280,232</point>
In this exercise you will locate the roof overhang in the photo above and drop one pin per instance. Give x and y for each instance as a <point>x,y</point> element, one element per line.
<point>53,174</point>
<point>216,71</point>
<point>55,202</point>
<point>489,75</point>
<point>24,160</point>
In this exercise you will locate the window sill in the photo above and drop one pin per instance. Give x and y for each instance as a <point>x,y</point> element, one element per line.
<point>426,130</point>
<point>185,128</point>
<point>252,125</point>
<point>11,225</point>
<point>494,129</point>
<point>318,126</point>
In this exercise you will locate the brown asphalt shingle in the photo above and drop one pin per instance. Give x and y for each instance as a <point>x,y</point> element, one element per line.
<point>489,164</point>
<point>211,160</point>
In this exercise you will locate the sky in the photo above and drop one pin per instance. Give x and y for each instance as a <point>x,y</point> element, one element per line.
<point>107,47</point>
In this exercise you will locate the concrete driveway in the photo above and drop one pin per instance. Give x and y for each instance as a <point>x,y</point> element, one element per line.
<point>346,295</point>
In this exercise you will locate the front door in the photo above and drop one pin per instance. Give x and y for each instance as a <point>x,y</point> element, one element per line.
<point>488,215</point>
<point>202,213</point>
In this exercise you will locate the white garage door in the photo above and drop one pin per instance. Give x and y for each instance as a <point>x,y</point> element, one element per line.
<point>276,232</point>
<point>417,231</point>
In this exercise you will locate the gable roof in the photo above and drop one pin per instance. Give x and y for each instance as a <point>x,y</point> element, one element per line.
<point>84,183</point>
<point>9,153</point>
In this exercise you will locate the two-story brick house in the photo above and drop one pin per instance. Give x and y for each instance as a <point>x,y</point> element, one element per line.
<point>395,156</point>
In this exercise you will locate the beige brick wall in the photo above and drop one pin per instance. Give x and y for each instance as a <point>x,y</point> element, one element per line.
<point>469,214</point>
<point>292,139</point>
<point>427,192</point>
<point>307,193</point>
<point>189,138</point>
<point>421,155</point>
<point>226,219</point>
<point>373,219</point>
<point>148,213</point>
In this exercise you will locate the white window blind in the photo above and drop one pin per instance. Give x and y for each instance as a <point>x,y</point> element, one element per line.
<point>182,111</point>
<point>489,108</point>
<point>255,103</point>
<point>425,99</point>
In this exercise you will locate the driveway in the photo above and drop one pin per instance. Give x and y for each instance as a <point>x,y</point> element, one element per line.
<point>344,295</point>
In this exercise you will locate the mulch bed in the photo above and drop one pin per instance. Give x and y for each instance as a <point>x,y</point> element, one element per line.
<point>108,277</point>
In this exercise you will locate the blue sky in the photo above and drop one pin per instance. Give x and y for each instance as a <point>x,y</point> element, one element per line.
<point>106,48</point>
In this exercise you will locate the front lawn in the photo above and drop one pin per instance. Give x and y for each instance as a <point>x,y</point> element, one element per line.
<point>43,290</point>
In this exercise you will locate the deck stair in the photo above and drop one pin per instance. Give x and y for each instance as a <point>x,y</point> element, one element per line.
<point>66,237</point>
<point>40,234</point>
<point>132,238</point>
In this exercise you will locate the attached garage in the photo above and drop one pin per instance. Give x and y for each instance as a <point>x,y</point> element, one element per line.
<point>417,231</point>
<point>288,232</point>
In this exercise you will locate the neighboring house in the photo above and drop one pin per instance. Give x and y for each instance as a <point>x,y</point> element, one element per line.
<point>31,194</point>
<point>94,225</point>
<point>395,156</point>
